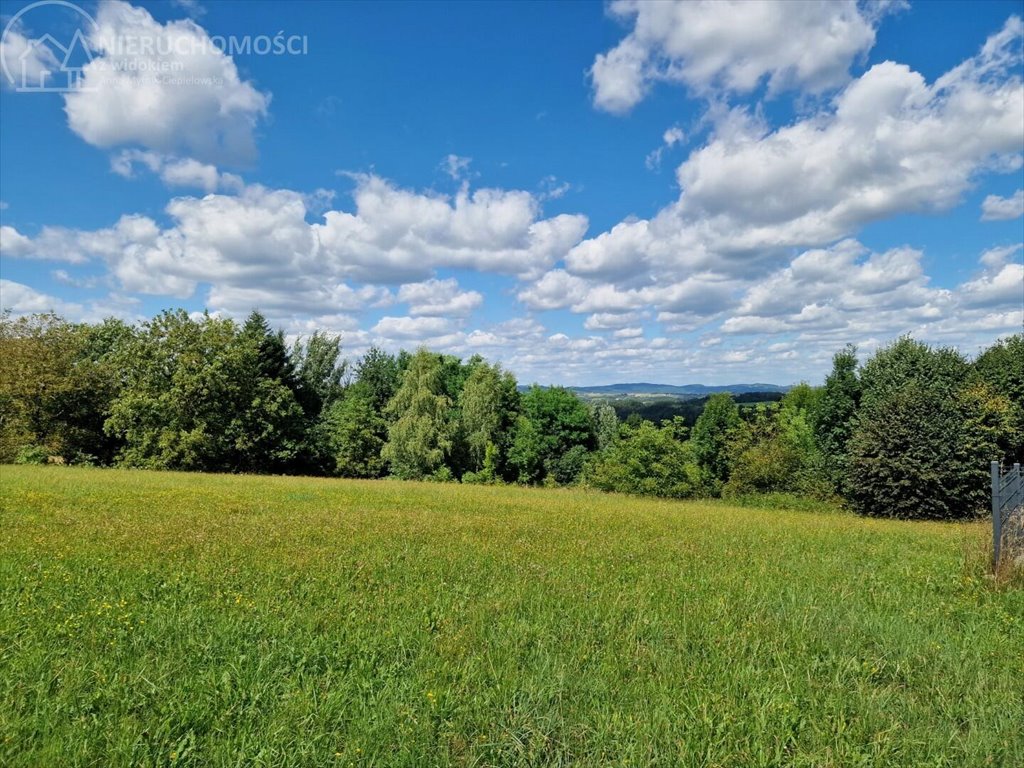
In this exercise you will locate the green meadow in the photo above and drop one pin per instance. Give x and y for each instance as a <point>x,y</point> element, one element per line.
<point>158,619</point>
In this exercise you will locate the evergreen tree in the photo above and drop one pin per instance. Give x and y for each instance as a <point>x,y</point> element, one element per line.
<point>272,360</point>
<point>268,430</point>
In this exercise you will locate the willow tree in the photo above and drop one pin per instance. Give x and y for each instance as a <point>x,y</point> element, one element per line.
<point>420,432</point>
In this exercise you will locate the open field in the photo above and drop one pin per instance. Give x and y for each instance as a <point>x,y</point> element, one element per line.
<point>157,619</point>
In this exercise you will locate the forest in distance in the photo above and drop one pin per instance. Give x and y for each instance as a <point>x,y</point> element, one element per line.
<point>906,433</point>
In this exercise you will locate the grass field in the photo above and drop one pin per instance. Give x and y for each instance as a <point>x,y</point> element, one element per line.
<point>169,619</point>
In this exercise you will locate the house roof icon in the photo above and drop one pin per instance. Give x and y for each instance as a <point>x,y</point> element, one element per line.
<point>77,43</point>
<point>50,43</point>
<point>45,59</point>
<point>71,62</point>
<point>47,42</point>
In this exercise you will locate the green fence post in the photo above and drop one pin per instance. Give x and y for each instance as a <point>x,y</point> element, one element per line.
<point>997,522</point>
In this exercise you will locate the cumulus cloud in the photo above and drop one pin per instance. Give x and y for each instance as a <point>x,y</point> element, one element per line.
<point>13,243</point>
<point>604,321</point>
<point>889,143</point>
<point>199,107</point>
<point>441,298</point>
<point>847,290</point>
<point>996,208</point>
<point>455,166</point>
<point>20,299</point>
<point>732,45</point>
<point>25,63</point>
<point>258,248</point>
<point>412,328</point>
<point>999,288</point>
<point>669,139</point>
<point>996,257</point>
<point>396,235</point>
<point>175,171</point>
<point>58,244</point>
<point>893,144</point>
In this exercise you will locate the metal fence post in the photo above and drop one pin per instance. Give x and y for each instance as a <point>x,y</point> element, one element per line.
<point>996,516</point>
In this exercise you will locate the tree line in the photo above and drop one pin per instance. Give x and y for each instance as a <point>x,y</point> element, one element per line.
<point>908,433</point>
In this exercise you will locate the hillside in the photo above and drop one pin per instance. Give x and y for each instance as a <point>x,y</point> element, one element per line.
<point>681,390</point>
<point>188,619</point>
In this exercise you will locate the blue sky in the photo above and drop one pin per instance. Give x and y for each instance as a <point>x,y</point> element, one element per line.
<point>589,193</point>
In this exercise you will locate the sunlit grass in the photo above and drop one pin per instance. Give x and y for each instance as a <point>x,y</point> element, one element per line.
<point>172,619</point>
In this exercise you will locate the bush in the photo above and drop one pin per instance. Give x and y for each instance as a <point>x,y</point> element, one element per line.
<point>777,453</point>
<point>920,444</point>
<point>567,468</point>
<point>647,461</point>
<point>32,454</point>
<point>440,475</point>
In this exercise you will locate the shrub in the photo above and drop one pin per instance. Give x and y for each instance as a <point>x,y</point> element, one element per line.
<point>710,439</point>
<point>647,461</point>
<point>32,454</point>
<point>919,445</point>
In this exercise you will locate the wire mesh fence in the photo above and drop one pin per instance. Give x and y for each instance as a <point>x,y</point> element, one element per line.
<point>1007,513</point>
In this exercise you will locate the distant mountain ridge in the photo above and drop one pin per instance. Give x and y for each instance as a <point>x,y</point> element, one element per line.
<point>679,390</point>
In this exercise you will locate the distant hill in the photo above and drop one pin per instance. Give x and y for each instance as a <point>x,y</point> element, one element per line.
<point>680,390</point>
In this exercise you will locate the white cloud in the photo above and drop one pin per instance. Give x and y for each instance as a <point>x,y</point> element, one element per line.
<point>412,328</point>
<point>730,44</point>
<point>669,139</point>
<point>198,106</point>
<point>894,144</point>
<point>994,289</point>
<point>174,171</point>
<point>58,244</point>
<point>995,208</point>
<point>552,189</point>
<point>13,243</point>
<point>441,298</point>
<point>996,257</point>
<point>604,321</point>
<point>890,143</point>
<point>20,299</point>
<point>192,7</point>
<point>396,235</point>
<point>846,291</point>
<point>24,62</point>
<point>257,248</point>
<point>628,333</point>
<point>456,166</point>
<point>554,290</point>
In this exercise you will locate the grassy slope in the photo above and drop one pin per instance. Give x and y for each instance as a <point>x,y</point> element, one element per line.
<point>209,620</point>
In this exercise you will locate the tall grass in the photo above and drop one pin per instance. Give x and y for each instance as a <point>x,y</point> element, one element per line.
<point>169,619</point>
